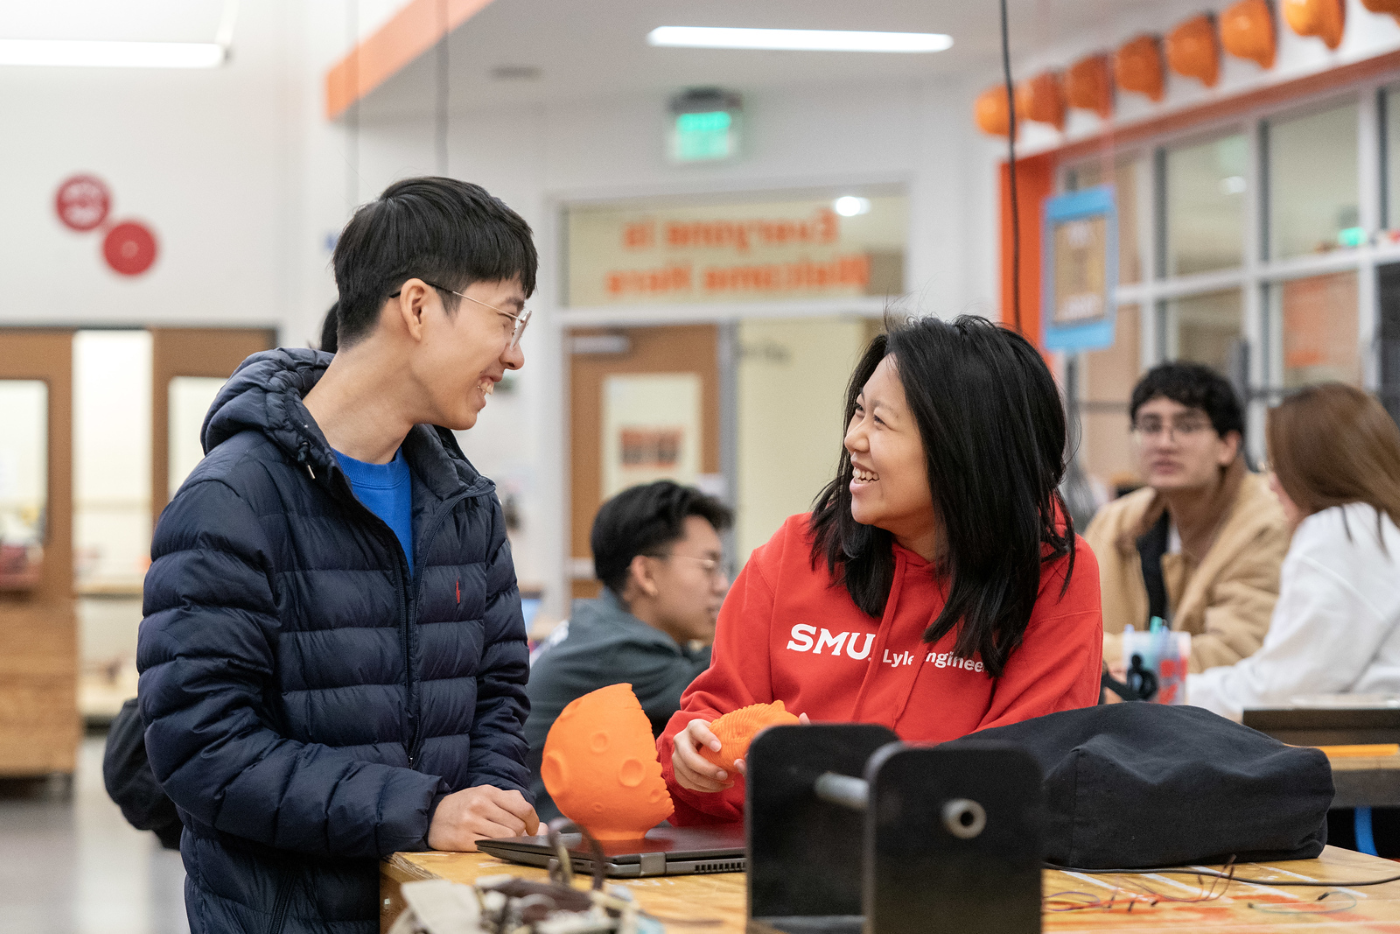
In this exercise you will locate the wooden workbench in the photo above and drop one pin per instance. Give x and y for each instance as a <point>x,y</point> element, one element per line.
<point>1143,903</point>
<point>1365,781</point>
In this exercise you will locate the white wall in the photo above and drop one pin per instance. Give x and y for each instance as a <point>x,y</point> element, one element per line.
<point>199,155</point>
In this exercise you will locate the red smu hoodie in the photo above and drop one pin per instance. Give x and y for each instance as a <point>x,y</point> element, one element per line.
<point>790,632</point>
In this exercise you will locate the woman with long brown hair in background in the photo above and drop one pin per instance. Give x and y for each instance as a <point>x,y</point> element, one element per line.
<point>1334,455</point>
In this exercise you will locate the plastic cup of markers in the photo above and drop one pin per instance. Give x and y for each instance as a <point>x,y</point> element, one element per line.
<point>1167,655</point>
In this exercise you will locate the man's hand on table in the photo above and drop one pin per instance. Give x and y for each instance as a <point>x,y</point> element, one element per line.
<point>483,812</point>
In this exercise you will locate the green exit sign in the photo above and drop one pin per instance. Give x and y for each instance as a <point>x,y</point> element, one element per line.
<point>705,126</point>
<point>704,136</point>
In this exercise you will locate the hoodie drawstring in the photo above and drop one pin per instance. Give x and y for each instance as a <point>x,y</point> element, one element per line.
<point>304,458</point>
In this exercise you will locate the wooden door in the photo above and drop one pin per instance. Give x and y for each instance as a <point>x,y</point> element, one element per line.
<point>203,352</point>
<point>596,355</point>
<point>39,725</point>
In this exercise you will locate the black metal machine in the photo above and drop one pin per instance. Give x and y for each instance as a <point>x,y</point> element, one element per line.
<point>851,831</point>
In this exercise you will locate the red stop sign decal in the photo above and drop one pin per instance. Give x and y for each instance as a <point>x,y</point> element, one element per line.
<point>130,248</point>
<point>82,202</point>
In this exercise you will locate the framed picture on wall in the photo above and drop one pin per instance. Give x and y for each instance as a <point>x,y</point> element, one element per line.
<point>1081,267</point>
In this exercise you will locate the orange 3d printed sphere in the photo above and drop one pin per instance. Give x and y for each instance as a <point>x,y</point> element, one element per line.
<point>600,766</point>
<point>736,729</point>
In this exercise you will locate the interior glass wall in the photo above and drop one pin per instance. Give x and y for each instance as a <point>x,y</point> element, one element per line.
<point>1314,200</point>
<point>1106,386</point>
<point>1315,330</point>
<point>1204,186</point>
<point>1205,328</point>
<point>111,509</point>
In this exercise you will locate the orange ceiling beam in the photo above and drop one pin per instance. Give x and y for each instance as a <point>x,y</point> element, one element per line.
<point>410,32</point>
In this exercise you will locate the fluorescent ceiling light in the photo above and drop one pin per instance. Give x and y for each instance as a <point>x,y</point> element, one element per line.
<point>806,40</point>
<point>103,54</point>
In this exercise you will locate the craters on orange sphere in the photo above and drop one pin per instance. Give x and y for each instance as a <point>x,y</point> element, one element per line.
<point>600,766</point>
<point>736,729</point>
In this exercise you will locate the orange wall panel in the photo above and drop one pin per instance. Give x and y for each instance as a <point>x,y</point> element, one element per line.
<point>1035,181</point>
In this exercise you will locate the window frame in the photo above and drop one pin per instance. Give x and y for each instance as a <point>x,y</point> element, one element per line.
<point>1259,273</point>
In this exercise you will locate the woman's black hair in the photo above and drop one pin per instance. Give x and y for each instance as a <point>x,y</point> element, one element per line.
<point>993,431</point>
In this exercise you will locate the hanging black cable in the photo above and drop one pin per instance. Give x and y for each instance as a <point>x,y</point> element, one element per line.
<point>440,123</point>
<point>1011,171</point>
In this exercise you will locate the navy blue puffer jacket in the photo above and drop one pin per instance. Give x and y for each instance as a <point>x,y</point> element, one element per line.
<point>307,702</point>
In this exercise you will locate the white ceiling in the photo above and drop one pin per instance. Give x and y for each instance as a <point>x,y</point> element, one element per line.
<point>588,49</point>
<point>144,21</point>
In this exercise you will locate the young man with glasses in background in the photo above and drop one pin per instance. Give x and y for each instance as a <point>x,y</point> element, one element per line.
<point>333,660</point>
<point>1201,543</point>
<point>656,548</point>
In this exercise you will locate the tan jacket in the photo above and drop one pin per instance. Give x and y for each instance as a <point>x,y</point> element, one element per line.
<point>1225,603</point>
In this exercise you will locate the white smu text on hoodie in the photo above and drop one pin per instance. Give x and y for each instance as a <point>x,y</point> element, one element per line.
<point>1336,626</point>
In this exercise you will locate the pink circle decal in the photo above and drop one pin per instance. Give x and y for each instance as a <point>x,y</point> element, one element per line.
<point>82,202</point>
<point>130,248</point>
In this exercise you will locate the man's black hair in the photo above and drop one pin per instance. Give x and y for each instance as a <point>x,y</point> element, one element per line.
<point>644,520</point>
<point>993,432</point>
<point>447,232</point>
<point>1197,387</point>
<point>330,330</point>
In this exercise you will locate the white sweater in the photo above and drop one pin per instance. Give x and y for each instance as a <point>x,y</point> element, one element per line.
<point>1336,626</point>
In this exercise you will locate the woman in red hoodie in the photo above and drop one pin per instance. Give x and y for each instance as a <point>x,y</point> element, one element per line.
<point>937,587</point>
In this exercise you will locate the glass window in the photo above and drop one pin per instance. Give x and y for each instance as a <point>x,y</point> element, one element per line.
<point>1205,328</point>
<point>111,460</point>
<point>1125,192</point>
<point>1391,109</point>
<point>190,397</point>
<point>1205,202</point>
<point>1313,200</point>
<point>1318,321</point>
<point>24,481</point>
<point>1108,379</point>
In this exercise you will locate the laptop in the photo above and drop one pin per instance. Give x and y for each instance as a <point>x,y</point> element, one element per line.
<point>664,851</point>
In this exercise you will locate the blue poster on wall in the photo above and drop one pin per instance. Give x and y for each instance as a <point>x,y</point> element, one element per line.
<point>1080,270</point>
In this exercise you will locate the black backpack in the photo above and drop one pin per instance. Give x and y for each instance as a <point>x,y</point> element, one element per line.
<point>1134,786</point>
<point>130,782</point>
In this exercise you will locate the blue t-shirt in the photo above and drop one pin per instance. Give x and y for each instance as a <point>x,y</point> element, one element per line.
<point>388,493</point>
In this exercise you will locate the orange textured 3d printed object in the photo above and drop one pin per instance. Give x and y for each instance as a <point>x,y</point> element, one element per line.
<point>1137,67</point>
<point>1042,99</point>
<point>992,114</point>
<point>1383,6</point>
<point>1193,51</point>
<point>1325,19</point>
<point>600,766</point>
<point>736,729</point>
<point>1089,85</point>
<point>1247,31</point>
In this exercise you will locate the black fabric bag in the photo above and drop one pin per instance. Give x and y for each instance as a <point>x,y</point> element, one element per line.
<point>130,782</point>
<point>1141,785</point>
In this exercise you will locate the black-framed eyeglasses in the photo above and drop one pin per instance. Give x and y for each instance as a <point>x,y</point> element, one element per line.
<point>521,319</point>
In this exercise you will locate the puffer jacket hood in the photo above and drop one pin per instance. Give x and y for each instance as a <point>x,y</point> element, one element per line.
<point>308,700</point>
<point>265,394</point>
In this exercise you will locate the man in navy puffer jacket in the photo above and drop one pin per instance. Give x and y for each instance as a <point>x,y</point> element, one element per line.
<point>333,660</point>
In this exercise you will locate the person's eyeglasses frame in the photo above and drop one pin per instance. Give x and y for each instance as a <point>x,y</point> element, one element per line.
<point>713,567</point>
<point>521,319</point>
<point>1173,430</point>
